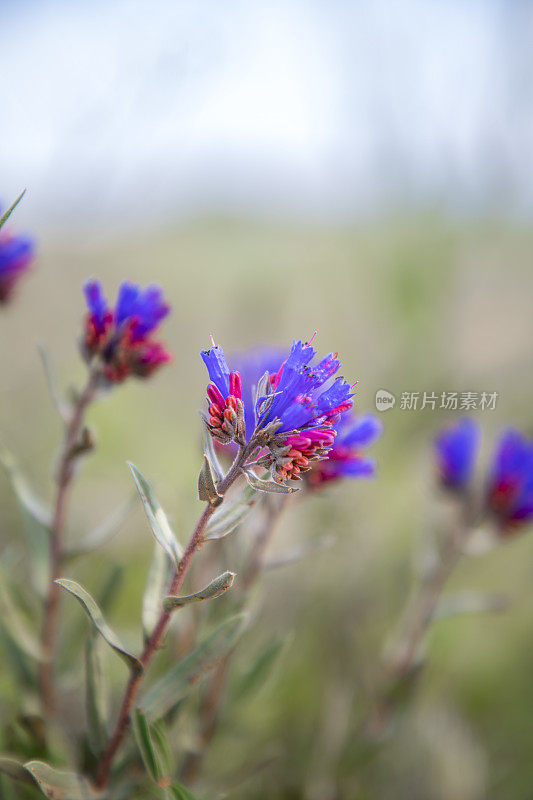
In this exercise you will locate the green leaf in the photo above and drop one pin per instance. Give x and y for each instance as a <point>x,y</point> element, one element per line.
<point>176,684</point>
<point>153,746</point>
<point>15,770</point>
<point>230,515</point>
<point>96,694</point>
<point>58,785</point>
<point>266,486</point>
<point>63,407</point>
<point>157,518</point>
<point>36,518</point>
<point>15,622</point>
<point>207,490</point>
<point>5,216</point>
<point>104,532</point>
<point>258,673</point>
<point>178,792</point>
<point>214,589</point>
<point>209,450</point>
<point>92,610</point>
<point>156,586</point>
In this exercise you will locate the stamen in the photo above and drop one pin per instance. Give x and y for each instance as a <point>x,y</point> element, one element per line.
<point>212,340</point>
<point>312,337</point>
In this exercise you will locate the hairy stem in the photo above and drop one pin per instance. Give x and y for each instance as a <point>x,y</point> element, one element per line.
<point>214,695</point>
<point>64,481</point>
<point>155,639</point>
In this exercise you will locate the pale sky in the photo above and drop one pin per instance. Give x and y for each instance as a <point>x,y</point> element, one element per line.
<point>112,111</point>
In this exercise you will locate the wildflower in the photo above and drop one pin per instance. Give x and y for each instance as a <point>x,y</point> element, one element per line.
<point>456,449</point>
<point>345,459</point>
<point>510,489</point>
<point>120,338</point>
<point>294,408</point>
<point>16,255</point>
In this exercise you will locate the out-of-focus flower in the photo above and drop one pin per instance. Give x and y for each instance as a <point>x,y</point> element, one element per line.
<point>510,490</point>
<point>16,255</point>
<point>346,459</point>
<point>294,408</point>
<point>120,338</point>
<point>456,448</point>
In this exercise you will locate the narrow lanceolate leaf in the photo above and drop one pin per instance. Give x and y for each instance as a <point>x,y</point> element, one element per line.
<point>231,515</point>
<point>266,486</point>
<point>15,622</point>
<point>153,746</point>
<point>156,586</point>
<point>470,603</point>
<point>5,216</point>
<point>209,450</point>
<point>157,518</point>
<point>92,610</point>
<point>96,695</point>
<point>104,532</point>
<point>207,490</point>
<point>177,683</point>
<point>15,770</point>
<point>61,404</point>
<point>178,792</point>
<point>214,589</point>
<point>57,785</point>
<point>36,519</point>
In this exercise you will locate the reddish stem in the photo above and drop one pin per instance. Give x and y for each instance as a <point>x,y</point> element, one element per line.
<point>64,480</point>
<point>154,642</point>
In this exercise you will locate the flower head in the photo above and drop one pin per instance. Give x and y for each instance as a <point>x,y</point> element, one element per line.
<point>294,408</point>
<point>456,448</point>
<point>345,459</point>
<point>16,255</point>
<point>510,490</point>
<point>120,337</point>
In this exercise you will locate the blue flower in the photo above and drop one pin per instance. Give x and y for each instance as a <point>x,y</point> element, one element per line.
<point>456,449</point>
<point>345,459</point>
<point>510,491</point>
<point>16,255</point>
<point>120,337</point>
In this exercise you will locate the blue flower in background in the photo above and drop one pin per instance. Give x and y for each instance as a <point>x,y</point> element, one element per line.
<point>510,490</point>
<point>16,255</point>
<point>456,449</point>
<point>345,459</point>
<point>121,337</point>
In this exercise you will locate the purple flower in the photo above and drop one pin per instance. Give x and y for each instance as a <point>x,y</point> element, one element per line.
<point>292,410</point>
<point>121,337</point>
<point>345,459</point>
<point>16,255</point>
<point>456,448</point>
<point>510,490</point>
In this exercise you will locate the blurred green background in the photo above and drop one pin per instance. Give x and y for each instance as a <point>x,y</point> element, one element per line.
<point>414,303</point>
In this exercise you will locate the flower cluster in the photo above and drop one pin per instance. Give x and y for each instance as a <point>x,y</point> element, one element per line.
<point>293,407</point>
<point>508,495</point>
<point>120,338</point>
<point>16,255</point>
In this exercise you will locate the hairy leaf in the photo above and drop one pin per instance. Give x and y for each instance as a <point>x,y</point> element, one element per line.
<point>209,450</point>
<point>207,490</point>
<point>15,770</point>
<point>157,518</point>
<point>153,746</point>
<point>231,515</point>
<point>92,610</point>
<point>266,486</point>
<point>214,589</point>
<point>5,216</point>
<point>96,696</point>
<point>57,785</point>
<point>156,586</point>
<point>15,622</point>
